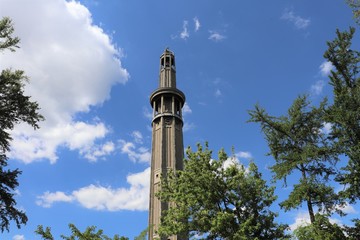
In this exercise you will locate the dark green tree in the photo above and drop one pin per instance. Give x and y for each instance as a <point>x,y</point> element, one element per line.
<point>15,107</point>
<point>90,233</point>
<point>344,114</point>
<point>298,144</point>
<point>218,200</point>
<point>353,233</point>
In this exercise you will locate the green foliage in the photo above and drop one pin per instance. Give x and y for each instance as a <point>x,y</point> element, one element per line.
<point>218,200</point>
<point>90,233</point>
<point>344,114</point>
<point>353,233</point>
<point>142,235</point>
<point>7,41</point>
<point>45,234</point>
<point>15,107</point>
<point>355,5</point>
<point>320,229</point>
<point>297,143</point>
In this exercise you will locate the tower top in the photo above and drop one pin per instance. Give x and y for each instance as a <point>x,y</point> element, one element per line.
<point>167,79</point>
<point>167,76</point>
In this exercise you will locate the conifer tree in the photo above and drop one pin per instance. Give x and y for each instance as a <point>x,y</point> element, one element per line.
<point>15,107</point>
<point>355,5</point>
<point>344,113</point>
<point>298,144</point>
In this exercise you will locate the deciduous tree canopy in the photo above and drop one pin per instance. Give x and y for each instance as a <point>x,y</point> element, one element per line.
<point>76,234</point>
<point>218,200</point>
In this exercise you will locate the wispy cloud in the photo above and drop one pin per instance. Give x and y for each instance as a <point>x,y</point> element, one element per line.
<point>299,22</point>
<point>99,151</point>
<point>325,68</point>
<point>246,155</point>
<point>186,109</point>
<point>185,33</point>
<point>196,24</point>
<point>218,93</point>
<point>348,209</point>
<point>18,237</point>
<point>216,36</point>
<point>98,197</point>
<point>147,112</point>
<point>135,154</point>
<point>137,136</point>
<point>317,88</point>
<point>188,126</point>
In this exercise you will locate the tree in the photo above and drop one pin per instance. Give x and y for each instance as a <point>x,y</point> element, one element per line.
<point>321,229</point>
<point>218,200</point>
<point>142,235</point>
<point>353,233</point>
<point>90,233</point>
<point>355,5</point>
<point>344,114</point>
<point>15,107</point>
<point>298,143</point>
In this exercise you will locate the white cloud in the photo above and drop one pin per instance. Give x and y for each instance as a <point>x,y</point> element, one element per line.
<point>197,24</point>
<point>246,155</point>
<point>147,113</point>
<point>301,219</point>
<point>29,145</point>
<point>218,93</point>
<point>97,197</point>
<point>185,34</point>
<point>317,88</point>
<point>326,129</point>
<point>230,162</point>
<point>99,151</point>
<point>140,154</point>
<point>48,199</point>
<point>216,36</point>
<point>186,109</point>
<point>325,68</point>
<point>137,136</point>
<point>71,67</point>
<point>19,237</point>
<point>299,22</point>
<point>348,209</point>
<point>188,126</point>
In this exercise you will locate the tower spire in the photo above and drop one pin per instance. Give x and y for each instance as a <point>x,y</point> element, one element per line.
<point>167,137</point>
<point>167,69</point>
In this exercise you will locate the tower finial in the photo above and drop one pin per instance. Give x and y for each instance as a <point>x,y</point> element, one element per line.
<point>167,69</point>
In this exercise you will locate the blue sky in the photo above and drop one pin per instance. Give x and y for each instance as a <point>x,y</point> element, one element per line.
<point>93,65</point>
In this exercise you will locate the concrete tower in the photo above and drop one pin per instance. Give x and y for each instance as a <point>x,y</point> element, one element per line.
<point>167,137</point>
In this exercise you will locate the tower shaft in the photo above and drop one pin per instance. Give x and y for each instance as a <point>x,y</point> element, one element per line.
<point>167,137</point>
